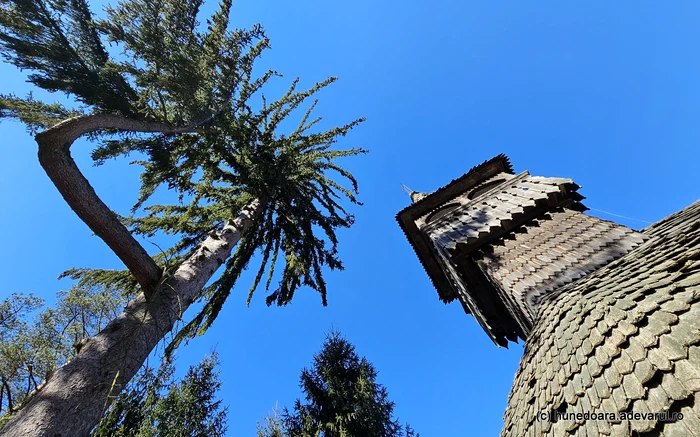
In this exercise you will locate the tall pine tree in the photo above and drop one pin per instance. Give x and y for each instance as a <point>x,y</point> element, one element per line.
<point>271,426</point>
<point>156,405</point>
<point>180,95</point>
<point>342,397</point>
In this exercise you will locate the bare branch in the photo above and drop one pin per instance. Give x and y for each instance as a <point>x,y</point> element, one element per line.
<point>6,387</point>
<point>30,376</point>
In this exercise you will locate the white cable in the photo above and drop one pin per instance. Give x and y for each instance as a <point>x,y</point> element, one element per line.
<point>621,216</point>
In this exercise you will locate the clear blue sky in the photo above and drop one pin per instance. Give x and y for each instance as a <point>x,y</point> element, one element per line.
<point>605,93</point>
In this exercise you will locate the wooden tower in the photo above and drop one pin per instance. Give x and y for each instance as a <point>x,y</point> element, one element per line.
<point>610,316</point>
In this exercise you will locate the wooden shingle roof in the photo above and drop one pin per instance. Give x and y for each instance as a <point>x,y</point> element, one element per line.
<point>625,338</point>
<point>446,231</point>
<point>425,204</point>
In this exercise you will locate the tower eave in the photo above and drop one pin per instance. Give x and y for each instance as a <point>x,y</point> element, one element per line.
<point>420,244</point>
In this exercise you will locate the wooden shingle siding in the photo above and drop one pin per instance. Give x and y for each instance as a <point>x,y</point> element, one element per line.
<point>558,248</point>
<point>624,338</point>
<point>493,213</point>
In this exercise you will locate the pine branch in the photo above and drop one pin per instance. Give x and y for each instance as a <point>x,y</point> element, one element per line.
<point>34,114</point>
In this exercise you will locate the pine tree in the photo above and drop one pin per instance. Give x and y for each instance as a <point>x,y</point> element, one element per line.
<point>157,406</point>
<point>272,425</point>
<point>342,397</point>
<point>180,95</point>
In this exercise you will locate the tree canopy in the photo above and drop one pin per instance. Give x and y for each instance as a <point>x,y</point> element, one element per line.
<point>147,78</point>
<point>171,71</point>
<point>35,339</point>
<point>341,399</point>
<point>156,405</point>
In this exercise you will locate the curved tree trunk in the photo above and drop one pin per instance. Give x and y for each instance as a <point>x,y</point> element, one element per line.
<point>73,399</point>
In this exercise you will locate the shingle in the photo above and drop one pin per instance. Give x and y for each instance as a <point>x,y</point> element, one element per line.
<point>659,360</point>
<point>673,388</point>
<point>594,368</point>
<point>642,332</point>
<point>647,306</point>
<point>671,348</point>
<point>639,426</point>
<point>601,388</point>
<point>689,281</point>
<point>644,371</point>
<point>624,363</point>
<point>591,426</point>
<point>617,338</point>
<point>578,385</point>
<point>604,427</point>
<point>675,306</point>
<point>592,395</point>
<point>586,378</point>
<point>569,393</point>
<point>688,375</point>
<point>620,399</point>
<point>633,387</point>
<point>683,428</point>
<point>620,430</point>
<point>562,377</point>
<point>665,318</point>
<point>635,349</point>
<point>612,376</point>
<point>657,400</point>
<point>646,338</point>
<point>624,304</point>
<point>660,296</point>
<point>655,327</point>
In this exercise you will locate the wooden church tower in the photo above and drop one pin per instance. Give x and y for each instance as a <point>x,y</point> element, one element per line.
<point>610,316</point>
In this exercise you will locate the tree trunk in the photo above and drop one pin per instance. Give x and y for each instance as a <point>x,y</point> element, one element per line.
<point>73,400</point>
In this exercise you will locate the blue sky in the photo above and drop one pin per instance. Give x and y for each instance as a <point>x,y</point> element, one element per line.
<point>605,93</point>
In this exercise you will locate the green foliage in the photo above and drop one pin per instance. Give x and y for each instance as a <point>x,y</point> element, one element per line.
<point>16,354</point>
<point>168,70</point>
<point>342,399</point>
<point>410,432</point>
<point>172,69</point>
<point>59,42</point>
<point>34,114</point>
<point>244,160</point>
<point>35,340</point>
<point>272,425</point>
<point>155,405</point>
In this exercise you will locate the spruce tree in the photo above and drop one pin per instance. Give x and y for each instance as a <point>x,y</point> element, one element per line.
<point>156,405</point>
<point>342,397</point>
<point>272,425</point>
<point>183,97</point>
